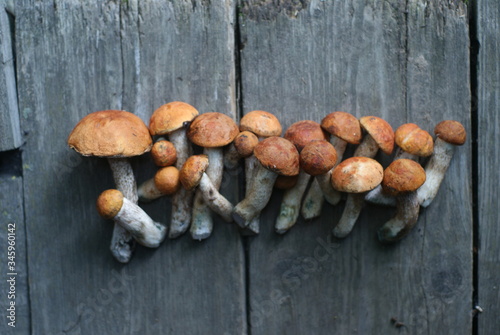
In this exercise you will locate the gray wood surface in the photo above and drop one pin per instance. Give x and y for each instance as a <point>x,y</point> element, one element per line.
<point>488,111</point>
<point>76,57</point>
<point>405,63</point>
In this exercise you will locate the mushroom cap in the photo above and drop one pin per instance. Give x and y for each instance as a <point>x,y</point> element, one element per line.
<point>318,157</point>
<point>167,180</point>
<point>261,123</point>
<point>302,132</point>
<point>170,117</point>
<point>380,130</point>
<point>164,153</point>
<point>343,125</point>
<point>212,130</point>
<point>278,155</point>
<point>357,175</point>
<point>110,133</point>
<point>192,171</point>
<point>109,203</point>
<point>403,176</point>
<point>451,131</point>
<point>245,142</point>
<point>285,182</point>
<point>413,140</point>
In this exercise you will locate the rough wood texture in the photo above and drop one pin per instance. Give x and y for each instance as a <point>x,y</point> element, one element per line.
<point>405,62</point>
<point>76,57</point>
<point>488,112</point>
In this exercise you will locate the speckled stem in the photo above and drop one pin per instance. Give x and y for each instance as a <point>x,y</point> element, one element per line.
<point>405,219</point>
<point>146,231</point>
<point>202,222</point>
<point>148,191</point>
<point>231,157</point>
<point>182,199</point>
<point>122,243</point>
<point>353,206</point>
<point>253,226</point>
<point>313,201</point>
<point>290,205</point>
<point>367,148</point>
<point>216,201</point>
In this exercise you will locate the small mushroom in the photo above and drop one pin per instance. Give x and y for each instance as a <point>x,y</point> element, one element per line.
<point>300,134</point>
<point>449,134</point>
<point>114,135</point>
<point>379,135</point>
<point>212,131</point>
<point>401,179</point>
<point>165,182</point>
<point>241,147</point>
<point>172,119</point>
<point>276,155</point>
<point>111,204</point>
<point>163,153</point>
<point>193,175</point>
<point>356,176</point>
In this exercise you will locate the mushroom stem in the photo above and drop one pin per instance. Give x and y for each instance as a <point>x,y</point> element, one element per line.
<point>367,148</point>
<point>122,242</point>
<point>313,201</point>
<point>353,206</point>
<point>378,197</point>
<point>148,191</point>
<point>182,199</point>
<point>290,205</point>
<point>435,170</point>
<point>216,201</point>
<point>405,219</point>
<point>231,157</point>
<point>251,164</point>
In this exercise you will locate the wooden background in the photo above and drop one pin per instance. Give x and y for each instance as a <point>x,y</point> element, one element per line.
<point>416,61</point>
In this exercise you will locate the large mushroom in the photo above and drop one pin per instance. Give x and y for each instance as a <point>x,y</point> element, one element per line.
<point>449,134</point>
<point>212,131</point>
<point>356,176</point>
<point>111,204</point>
<point>115,135</point>
<point>401,179</point>
<point>172,119</point>
<point>277,156</point>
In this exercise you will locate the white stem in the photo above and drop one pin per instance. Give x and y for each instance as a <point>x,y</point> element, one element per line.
<point>340,145</point>
<point>148,191</point>
<point>405,219</point>
<point>435,170</point>
<point>331,195</point>
<point>251,164</point>
<point>290,205</point>
<point>367,148</point>
<point>313,201</point>
<point>216,201</point>
<point>353,206</point>
<point>122,244</point>
<point>182,199</point>
<point>146,231</point>
<point>378,197</point>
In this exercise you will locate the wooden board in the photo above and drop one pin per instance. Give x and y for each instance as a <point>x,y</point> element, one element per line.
<point>488,206</point>
<point>405,63</point>
<point>76,57</point>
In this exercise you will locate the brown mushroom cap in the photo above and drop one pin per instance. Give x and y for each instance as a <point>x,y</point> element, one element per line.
<point>278,155</point>
<point>245,142</point>
<point>381,131</point>
<point>451,131</point>
<point>413,140</point>
<point>357,175</point>
<point>167,180</point>
<point>403,176</point>
<point>164,153</point>
<point>110,133</point>
<point>261,123</point>
<point>318,157</point>
<point>170,117</point>
<point>212,130</point>
<point>285,182</point>
<point>192,171</point>
<point>302,132</point>
<point>109,203</point>
<point>343,125</point>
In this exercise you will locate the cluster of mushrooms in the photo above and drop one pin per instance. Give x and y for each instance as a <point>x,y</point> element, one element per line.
<point>307,162</point>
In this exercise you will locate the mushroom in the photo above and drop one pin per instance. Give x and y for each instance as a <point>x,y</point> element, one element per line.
<point>379,135</point>
<point>115,135</point>
<point>172,119</point>
<point>163,153</point>
<point>300,134</point>
<point>356,176</point>
<point>193,175</point>
<point>449,133</point>
<point>277,156</point>
<point>111,204</point>
<point>212,131</point>
<point>401,179</point>
<point>241,147</point>
<point>344,128</point>
<point>165,182</point>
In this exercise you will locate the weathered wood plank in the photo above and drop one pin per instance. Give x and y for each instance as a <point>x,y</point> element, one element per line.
<point>488,111</point>
<point>76,57</point>
<point>305,60</point>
